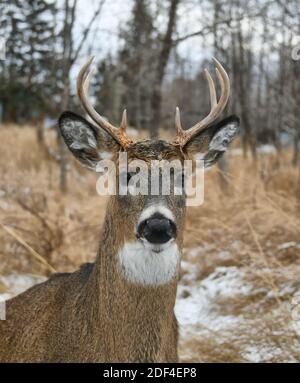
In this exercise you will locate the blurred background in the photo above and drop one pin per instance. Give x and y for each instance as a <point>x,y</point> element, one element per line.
<point>240,270</point>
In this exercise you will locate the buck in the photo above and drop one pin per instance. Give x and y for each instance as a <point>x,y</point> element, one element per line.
<point>121,307</point>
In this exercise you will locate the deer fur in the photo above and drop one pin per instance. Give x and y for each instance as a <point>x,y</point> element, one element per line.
<point>121,307</point>
<point>92,315</point>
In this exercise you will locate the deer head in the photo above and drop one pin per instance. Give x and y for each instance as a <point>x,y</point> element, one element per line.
<point>148,227</point>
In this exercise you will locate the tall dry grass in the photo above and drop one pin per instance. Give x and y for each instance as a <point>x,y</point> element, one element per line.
<point>245,227</point>
<point>255,227</point>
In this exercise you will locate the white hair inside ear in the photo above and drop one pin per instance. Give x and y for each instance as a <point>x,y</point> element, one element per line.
<point>223,138</point>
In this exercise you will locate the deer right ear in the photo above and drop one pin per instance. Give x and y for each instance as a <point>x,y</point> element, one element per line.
<point>88,143</point>
<point>212,142</point>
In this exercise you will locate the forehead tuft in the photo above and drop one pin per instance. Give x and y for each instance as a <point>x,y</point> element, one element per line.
<point>154,150</point>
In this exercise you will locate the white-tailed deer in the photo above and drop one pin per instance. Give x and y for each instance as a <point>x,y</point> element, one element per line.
<point>120,308</point>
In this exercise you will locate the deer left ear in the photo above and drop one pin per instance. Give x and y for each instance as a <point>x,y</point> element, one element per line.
<point>213,141</point>
<point>88,143</point>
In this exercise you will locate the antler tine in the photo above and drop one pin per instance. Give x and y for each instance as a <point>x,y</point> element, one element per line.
<point>83,81</point>
<point>178,126</point>
<point>123,125</point>
<point>217,107</point>
<point>212,89</point>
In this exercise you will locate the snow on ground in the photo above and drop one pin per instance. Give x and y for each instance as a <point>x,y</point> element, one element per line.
<point>15,284</point>
<point>195,308</point>
<point>262,149</point>
<point>199,315</point>
<point>288,245</point>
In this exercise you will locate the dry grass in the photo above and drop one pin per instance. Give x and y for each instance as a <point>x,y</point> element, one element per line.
<point>245,228</point>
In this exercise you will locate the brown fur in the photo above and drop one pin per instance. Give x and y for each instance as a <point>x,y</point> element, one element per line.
<point>91,315</point>
<point>94,314</point>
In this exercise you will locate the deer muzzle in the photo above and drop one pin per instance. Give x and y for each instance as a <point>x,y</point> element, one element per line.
<point>157,229</point>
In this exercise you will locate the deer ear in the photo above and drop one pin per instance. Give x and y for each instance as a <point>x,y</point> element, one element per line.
<point>88,143</point>
<point>212,142</point>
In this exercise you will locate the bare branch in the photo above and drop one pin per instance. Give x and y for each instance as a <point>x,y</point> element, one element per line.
<point>209,28</point>
<point>87,31</point>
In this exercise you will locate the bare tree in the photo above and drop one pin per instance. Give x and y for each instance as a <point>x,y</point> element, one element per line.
<point>70,53</point>
<point>163,57</point>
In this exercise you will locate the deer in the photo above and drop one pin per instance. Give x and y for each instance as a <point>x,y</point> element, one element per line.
<point>119,308</point>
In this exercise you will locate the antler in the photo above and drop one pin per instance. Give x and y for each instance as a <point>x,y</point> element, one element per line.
<point>83,81</point>
<point>217,107</point>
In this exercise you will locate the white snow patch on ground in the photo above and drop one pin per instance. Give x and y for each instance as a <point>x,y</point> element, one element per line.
<point>17,283</point>
<point>195,308</point>
<point>198,306</point>
<point>262,149</point>
<point>254,354</point>
<point>288,245</point>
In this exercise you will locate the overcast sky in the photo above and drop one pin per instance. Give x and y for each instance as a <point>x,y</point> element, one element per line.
<point>192,16</point>
<point>116,13</point>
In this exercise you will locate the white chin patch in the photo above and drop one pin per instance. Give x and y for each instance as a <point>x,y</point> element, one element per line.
<point>147,264</point>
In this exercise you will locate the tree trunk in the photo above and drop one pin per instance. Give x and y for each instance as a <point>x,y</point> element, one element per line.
<point>222,163</point>
<point>156,97</point>
<point>40,132</point>
<point>295,149</point>
<point>70,11</point>
<point>249,137</point>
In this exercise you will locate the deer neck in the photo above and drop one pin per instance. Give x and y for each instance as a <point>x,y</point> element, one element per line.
<point>127,308</point>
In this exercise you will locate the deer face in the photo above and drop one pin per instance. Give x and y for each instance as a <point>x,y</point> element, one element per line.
<point>157,216</point>
<point>152,219</point>
<point>152,224</point>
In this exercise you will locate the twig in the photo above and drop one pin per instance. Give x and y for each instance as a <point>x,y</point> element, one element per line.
<point>29,248</point>
<point>86,32</point>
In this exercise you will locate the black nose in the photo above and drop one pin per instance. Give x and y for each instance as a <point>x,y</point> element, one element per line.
<point>157,229</point>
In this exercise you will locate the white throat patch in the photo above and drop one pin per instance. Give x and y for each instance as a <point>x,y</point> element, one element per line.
<point>140,264</point>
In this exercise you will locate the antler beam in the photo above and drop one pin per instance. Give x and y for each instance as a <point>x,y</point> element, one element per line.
<point>83,81</point>
<point>217,107</point>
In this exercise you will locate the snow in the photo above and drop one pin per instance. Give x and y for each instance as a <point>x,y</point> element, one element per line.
<point>288,245</point>
<point>252,354</point>
<point>199,307</point>
<point>195,308</point>
<point>262,149</point>
<point>17,283</point>
<point>266,149</point>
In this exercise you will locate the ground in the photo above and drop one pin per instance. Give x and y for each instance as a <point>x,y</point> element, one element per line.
<point>239,287</point>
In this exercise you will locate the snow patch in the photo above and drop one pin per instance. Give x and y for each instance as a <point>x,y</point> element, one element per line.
<point>288,245</point>
<point>195,307</point>
<point>17,283</point>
